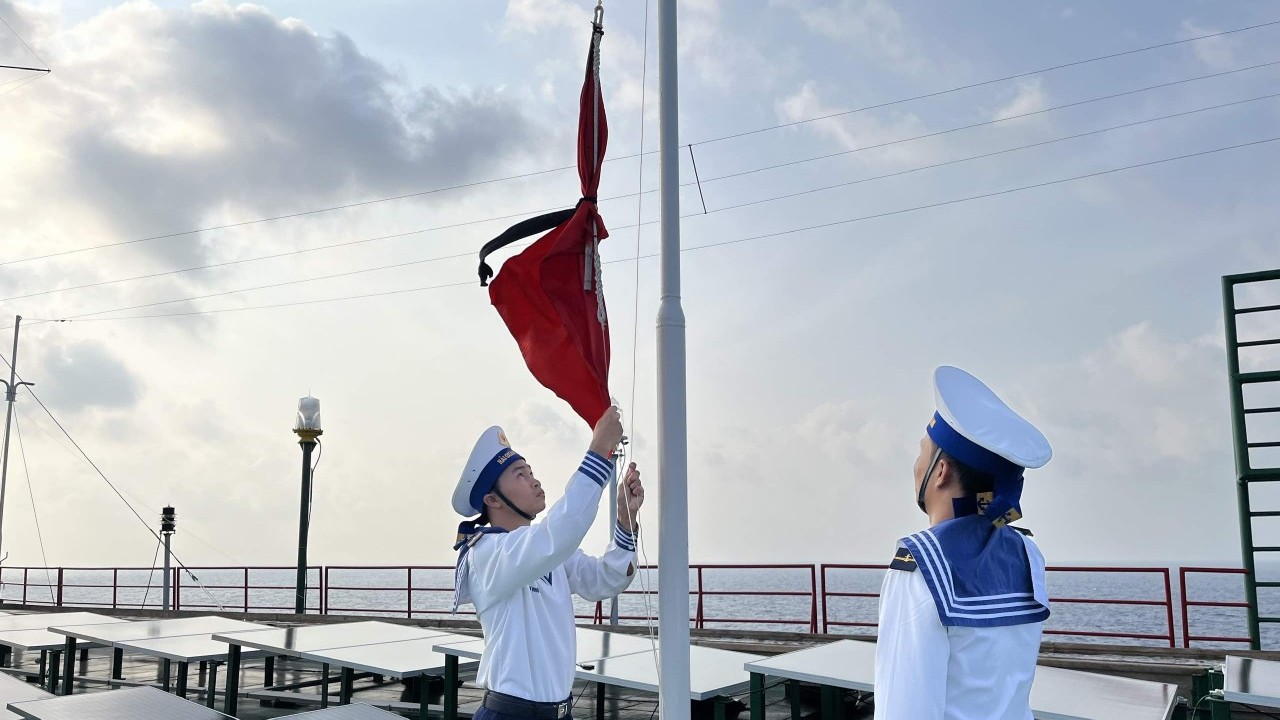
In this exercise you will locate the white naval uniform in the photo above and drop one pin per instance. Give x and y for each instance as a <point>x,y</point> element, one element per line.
<point>926,670</point>
<point>521,583</point>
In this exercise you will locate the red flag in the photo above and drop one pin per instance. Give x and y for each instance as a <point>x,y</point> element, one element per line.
<point>549,295</point>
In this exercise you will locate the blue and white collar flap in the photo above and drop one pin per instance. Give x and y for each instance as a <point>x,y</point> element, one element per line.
<point>980,575</point>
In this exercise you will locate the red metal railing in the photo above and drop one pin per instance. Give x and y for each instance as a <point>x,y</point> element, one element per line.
<point>206,600</point>
<point>1187,604</point>
<point>827,593</point>
<point>68,587</point>
<point>408,590</point>
<point>700,592</point>
<point>1166,602</point>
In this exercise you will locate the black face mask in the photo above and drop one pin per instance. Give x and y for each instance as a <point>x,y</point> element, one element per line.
<point>937,455</point>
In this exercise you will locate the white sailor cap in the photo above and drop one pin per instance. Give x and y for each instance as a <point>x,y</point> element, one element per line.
<point>977,428</point>
<point>491,455</point>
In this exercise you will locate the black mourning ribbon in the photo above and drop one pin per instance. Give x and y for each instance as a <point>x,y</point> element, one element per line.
<point>522,230</point>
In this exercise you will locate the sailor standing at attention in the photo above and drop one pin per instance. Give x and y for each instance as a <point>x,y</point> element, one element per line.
<point>963,602</point>
<point>520,575</point>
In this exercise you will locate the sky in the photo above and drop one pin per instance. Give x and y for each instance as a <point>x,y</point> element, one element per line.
<point>823,296</point>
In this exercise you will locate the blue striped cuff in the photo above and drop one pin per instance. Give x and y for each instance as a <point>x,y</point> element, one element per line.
<point>624,539</point>
<point>596,468</point>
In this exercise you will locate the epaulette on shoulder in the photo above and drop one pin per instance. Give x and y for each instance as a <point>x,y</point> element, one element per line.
<point>1024,531</point>
<point>903,560</point>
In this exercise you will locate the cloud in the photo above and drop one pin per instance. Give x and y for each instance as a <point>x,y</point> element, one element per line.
<point>860,129</point>
<point>1218,53</point>
<point>535,16</point>
<point>83,375</point>
<point>1030,97</point>
<point>158,119</point>
<point>872,26</point>
<point>721,60</point>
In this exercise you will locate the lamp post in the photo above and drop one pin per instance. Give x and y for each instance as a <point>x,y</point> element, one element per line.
<point>308,430</point>
<point>168,526</point>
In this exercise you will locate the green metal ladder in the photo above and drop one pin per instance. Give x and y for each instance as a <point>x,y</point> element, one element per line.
<point>1248,476</point>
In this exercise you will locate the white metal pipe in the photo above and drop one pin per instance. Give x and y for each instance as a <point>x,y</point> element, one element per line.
<point>673,518</point>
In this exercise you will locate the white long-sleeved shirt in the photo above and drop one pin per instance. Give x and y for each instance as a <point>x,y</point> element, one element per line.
<point>928,671</point>
<point>521,583</point>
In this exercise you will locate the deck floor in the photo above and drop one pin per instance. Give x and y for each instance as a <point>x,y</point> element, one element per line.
<point>619,704</point>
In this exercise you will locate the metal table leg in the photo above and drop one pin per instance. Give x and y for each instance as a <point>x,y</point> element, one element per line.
<point>793,694</point>
<point>345,689</point>
<point>69,669</point>
<point>182,679</point>
<point>599,701</point>
<point>757,696</point>
<point>233,680</point>
<point>54,656</point>
<point>324,685</point>
<point>722,707</point>
<point>117,664</point>
<point>832,703</point>
<point>450,688</point>
<point>1219,709</point>
<point>423,684</point>
<point>44,663</point>
<point>166,666</point>
<point>212,685</point>
<point>269,672</point>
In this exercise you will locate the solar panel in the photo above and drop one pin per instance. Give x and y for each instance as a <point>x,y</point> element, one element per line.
<point>14,690</point>
<point>290,641</point>
<point>848,664</point>
<point>1059,694</point>
<point>1252,681</point>
<point>118,632</point>
<point>139,703</point>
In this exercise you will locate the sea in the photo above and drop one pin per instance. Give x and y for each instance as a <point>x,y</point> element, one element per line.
<point>1097,605</point>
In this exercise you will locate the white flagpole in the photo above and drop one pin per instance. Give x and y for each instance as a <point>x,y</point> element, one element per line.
<point>673,517</point>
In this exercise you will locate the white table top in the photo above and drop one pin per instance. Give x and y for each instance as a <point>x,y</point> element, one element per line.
<point>470,649</point>
<point>294,640</point>
<point>1252,681</point>
<point>595,644</point>
<point>401,658</point>
<point>138,703</point>
<point>34,639</point>
<point>14,690</point>
<point>712,672</point>
<point>42,621</point>
<point>592,645</point>
<point>1059,694</point>
<point>182,648</point>
<point>849,664</point>
<point>109,634</point>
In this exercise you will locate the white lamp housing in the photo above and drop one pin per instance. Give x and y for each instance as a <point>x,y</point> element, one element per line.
<point>308,414</point>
